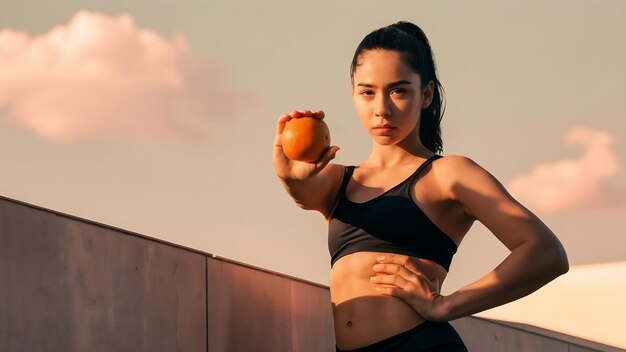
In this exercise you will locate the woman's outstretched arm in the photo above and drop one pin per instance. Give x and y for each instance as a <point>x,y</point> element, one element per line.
<point>536,257</point>
<point>311,185</point>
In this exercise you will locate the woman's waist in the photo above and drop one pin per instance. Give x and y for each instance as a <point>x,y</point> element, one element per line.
<point>362,317</point>
<point>357,298</point>
<point>361,314</point>
<point>363,304</point>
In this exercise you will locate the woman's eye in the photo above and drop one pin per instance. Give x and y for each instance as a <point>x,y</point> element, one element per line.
<point>398,91</point>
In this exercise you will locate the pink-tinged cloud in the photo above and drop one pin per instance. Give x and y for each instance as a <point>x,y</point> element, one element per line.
<point>583,182</point>
<point>102,76</point>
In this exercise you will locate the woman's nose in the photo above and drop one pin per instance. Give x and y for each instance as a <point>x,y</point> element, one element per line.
<point>382,107</point>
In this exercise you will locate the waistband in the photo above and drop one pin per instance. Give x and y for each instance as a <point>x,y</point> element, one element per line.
<point>424,335</point>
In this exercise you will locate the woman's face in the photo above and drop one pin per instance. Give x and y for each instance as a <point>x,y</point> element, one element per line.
<point>388,97</point>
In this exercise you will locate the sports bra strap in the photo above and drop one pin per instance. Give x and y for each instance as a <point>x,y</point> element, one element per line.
<point>426,163</point>
<point>346,178</point>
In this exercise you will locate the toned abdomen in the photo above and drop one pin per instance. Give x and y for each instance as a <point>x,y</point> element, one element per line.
<point>362,315</point>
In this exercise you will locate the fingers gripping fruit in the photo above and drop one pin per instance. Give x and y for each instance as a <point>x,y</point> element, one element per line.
<point>305,139</point>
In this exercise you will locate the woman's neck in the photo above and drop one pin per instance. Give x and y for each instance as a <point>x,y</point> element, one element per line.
<point>386,156</point>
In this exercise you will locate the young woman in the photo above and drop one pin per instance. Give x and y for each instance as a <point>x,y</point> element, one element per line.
<point>397,218</point>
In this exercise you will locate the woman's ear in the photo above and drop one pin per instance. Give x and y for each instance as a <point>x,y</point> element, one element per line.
<point>427,94</point>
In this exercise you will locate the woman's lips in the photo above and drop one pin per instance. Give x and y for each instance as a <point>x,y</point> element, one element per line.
<point>383,130</point>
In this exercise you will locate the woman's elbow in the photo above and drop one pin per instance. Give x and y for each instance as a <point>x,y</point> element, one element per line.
<point>560,263</point>
<point>553,262</point>
<point>564,264</point>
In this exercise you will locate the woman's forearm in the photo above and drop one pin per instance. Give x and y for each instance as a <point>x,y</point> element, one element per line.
<point>526,269</point>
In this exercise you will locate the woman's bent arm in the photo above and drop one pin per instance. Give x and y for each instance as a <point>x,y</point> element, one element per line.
<point>536,257</point>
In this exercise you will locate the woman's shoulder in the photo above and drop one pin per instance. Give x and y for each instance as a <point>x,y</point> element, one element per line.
<point>456,162</point>
<point>453,169</point>
<point>458,175</point>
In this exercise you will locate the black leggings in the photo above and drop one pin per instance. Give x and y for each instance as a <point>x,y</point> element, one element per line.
<point>426,337</point>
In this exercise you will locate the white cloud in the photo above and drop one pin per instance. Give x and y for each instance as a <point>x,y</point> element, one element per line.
<point>104,76</point>
<point>583,182</point>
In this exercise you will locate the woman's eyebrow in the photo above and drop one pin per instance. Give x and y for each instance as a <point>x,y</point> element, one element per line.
<point>390,85</point>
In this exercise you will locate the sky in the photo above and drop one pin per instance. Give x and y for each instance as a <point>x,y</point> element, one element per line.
<point>158,116</point>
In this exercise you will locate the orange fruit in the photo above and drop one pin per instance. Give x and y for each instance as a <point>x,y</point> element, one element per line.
<point>305,139</point>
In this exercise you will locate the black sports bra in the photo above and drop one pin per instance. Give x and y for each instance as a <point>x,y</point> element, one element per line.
<point>391,223</point>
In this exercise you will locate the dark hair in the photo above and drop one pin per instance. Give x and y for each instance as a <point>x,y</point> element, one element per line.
<point>410,40</point>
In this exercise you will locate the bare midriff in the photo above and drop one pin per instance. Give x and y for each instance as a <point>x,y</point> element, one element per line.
<point>362,315</point>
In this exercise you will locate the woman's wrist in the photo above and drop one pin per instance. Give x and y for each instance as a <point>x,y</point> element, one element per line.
<point>440,309</point>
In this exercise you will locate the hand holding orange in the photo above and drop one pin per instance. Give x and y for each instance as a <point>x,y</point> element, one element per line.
<point>305,138</point>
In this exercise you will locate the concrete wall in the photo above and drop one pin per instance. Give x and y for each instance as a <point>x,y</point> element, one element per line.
<point>492,335</point>
<point>68,284</point>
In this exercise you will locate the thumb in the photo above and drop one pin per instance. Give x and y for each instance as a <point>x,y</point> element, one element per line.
<point>333,151</point>
<point>328,155</point>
